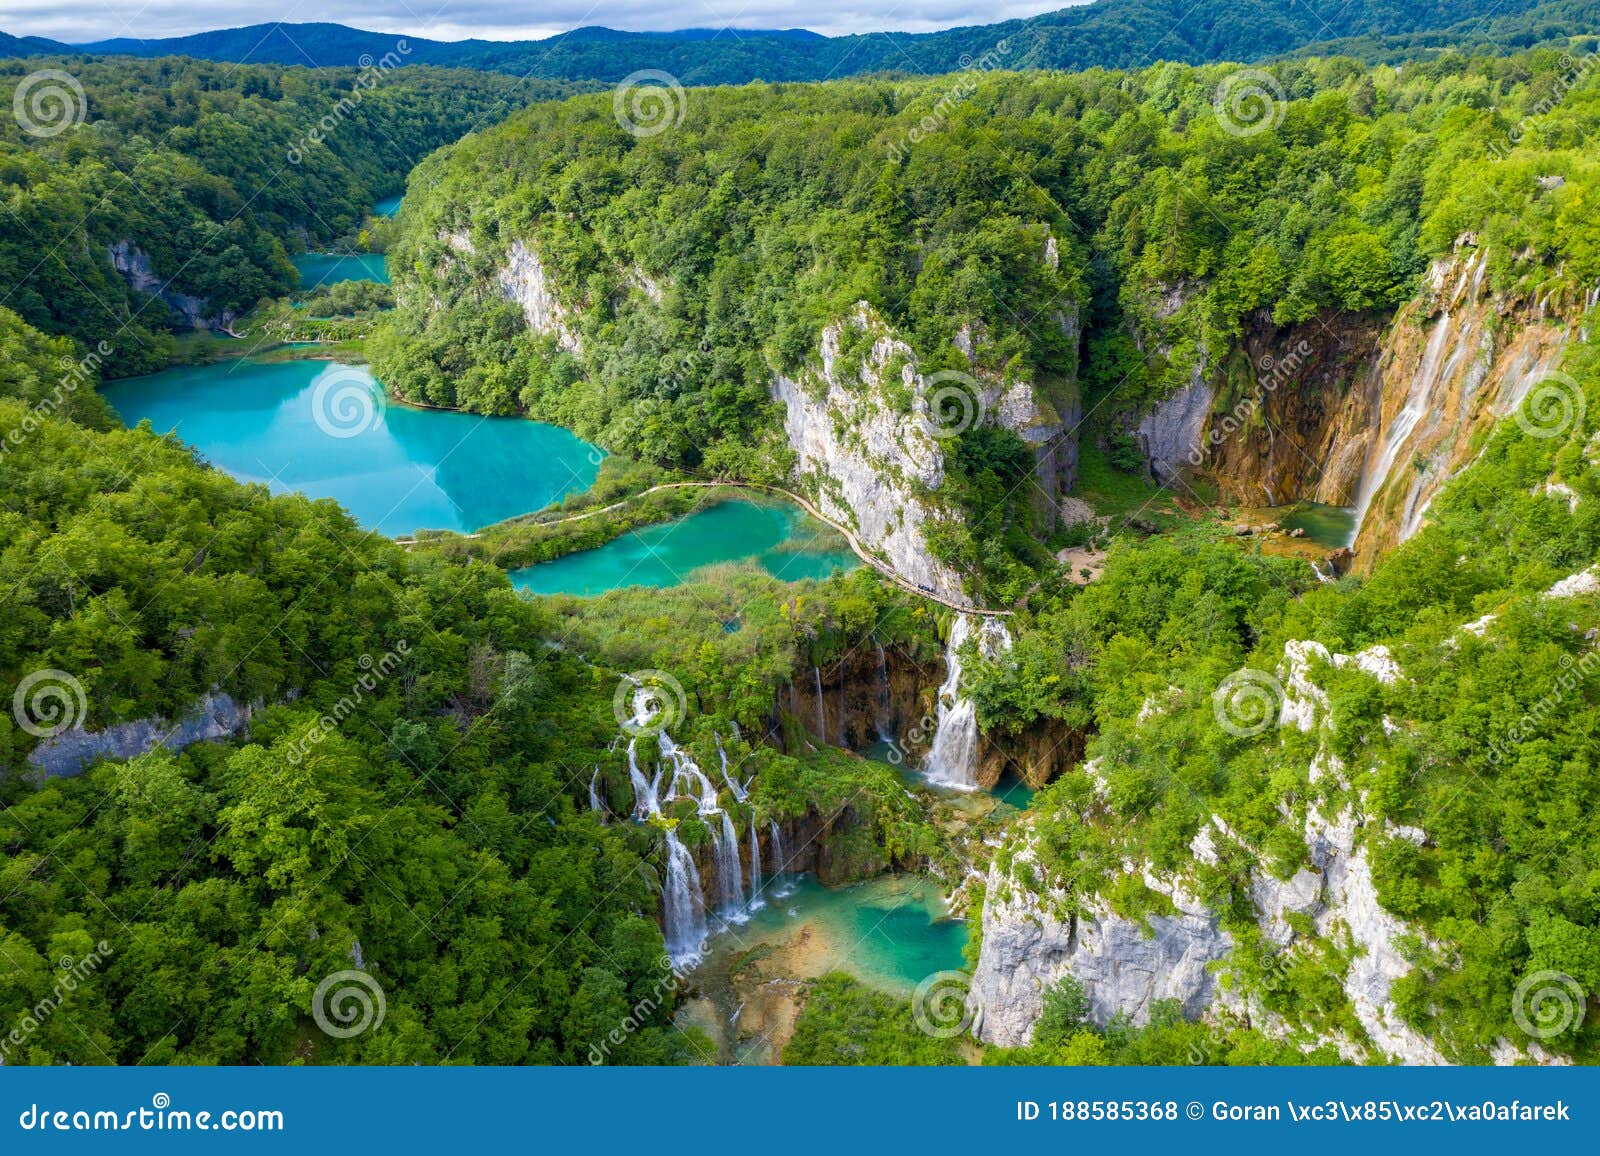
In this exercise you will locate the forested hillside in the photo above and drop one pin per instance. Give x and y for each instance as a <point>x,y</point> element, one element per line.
<point>211,173</point>
<point>1102,34</point>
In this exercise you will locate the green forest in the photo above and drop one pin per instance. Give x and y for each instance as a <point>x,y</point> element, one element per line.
<point>433,789</point>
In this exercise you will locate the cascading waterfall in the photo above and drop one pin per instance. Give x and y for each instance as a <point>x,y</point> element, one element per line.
<point>729,884</point>
<point>646,792</point>
<point>881,722</point>
<point>822,721</point>
<point>594,791</point>
<point>741,793</point>
<point>779,862</point>
<point>1417,405</point>
<point>756,900</point>
<point>683,906</point>
<point>952,759</point>
<point>844,712</point>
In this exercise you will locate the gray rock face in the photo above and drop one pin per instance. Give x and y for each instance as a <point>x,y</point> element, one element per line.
<point>871,460</point>
<point>523,279</point>
<point>1169,435</point>
<point>216,716</point>
<point>1122,964</point>
<point>133,266</point>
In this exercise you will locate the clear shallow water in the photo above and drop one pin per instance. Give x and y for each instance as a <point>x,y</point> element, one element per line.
<point>891,933</point>
<point>397,470</point>
<point>1010,790</point>
<point>665,554</point>
<point>389,206</point>
<point>318,269</point>
<point>1330,526</point>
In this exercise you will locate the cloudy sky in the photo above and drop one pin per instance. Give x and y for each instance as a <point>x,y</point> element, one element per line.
<point>76,22</point>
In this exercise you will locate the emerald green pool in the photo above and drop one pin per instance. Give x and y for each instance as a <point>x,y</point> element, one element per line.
<point>891,932</point>
<point>317,269</point>
<point>1330,526</point>
<point>777,538</point>
<point>326,430</point>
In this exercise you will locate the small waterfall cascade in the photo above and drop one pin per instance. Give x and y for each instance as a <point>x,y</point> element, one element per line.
<point>952,759</point>
<point>683,906</point>
<point>730,884</point>
<point>881,722</point>
<point>1399,430</point>
<point>741,793</point>
<point>756,900</point>
<point>844,711</point>
<point>646,792</point>
<point>822,720</point>
<point>594,791</point>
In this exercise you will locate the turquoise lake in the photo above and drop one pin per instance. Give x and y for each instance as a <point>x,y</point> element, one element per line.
<point>775,537</point>
<point>325,430</point>
<point>389,206</point>
<point>317,269</point>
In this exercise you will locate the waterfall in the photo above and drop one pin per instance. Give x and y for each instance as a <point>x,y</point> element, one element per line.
<point>881,723</point>
<point>953,756</point>
<point>822,721</point>
<point>741,794</point>
<point>646,792</point>
<point>683,906</point>
<point>594,792</point>
<point>756,901</point>
<point>779,863</point>
<point>729,884</point>
<point>1418,402</point>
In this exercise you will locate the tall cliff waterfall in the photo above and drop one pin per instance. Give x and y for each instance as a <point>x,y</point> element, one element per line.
<point>683,906</point>
<point>952,759</point>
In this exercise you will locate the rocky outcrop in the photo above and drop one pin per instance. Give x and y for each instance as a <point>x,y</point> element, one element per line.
<point>214,718</point>
<point>1036,755</point>
<point>1035,933</point>
<point>869,695</point>
<point>523,279</point>
<point>1032,941</point>
<point>1170,434</point>
<point>866,452</point>
<point>133,266</point>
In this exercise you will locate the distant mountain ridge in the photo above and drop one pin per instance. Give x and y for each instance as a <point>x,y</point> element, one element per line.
<point>1106,33</point>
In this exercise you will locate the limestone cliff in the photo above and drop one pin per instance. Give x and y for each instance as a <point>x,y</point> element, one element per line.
<point>133,265</point>
<point>1035,931</point>
<point>214,717</point>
